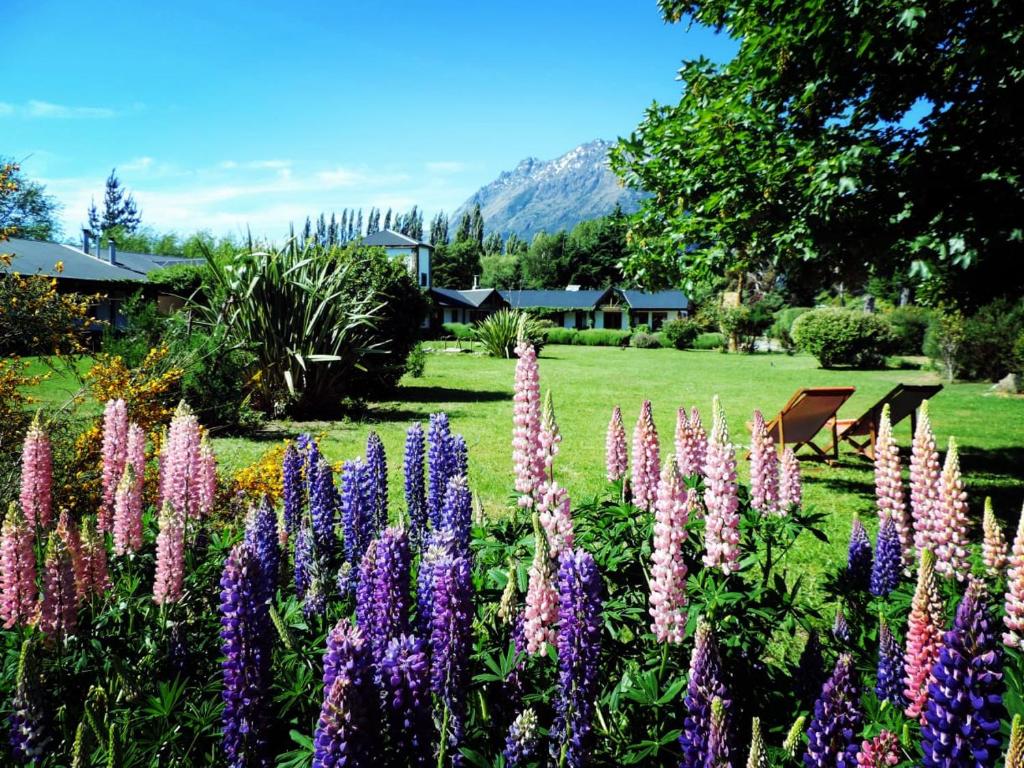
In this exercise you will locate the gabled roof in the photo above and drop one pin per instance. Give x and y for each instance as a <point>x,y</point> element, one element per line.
<point>471,299</point>
<point>656,300</point>
<point>554,299</point>
<point>390,239</point>
<point>37,257</point>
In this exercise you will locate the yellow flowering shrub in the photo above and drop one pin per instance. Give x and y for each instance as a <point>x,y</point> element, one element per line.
<point>263,476</point>
<point>150,391</point>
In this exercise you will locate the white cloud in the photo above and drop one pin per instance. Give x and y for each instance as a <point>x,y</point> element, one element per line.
<point>138,164</point>
<point>6,109</point>
<point>445,166</point>
<point>46,109</point>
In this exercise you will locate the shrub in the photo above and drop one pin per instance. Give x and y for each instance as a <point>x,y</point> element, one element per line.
<point>782,327</point>
<point>602,337</point>
<point>499,333</point>
<point>990,336</point>
<point>642,340</point>
<point>909,326</point>
<point>560,335</point>
<point>709,341</point>
<point>459,331</point>
<point>417,362</point>
<point>943,341</point>
<point>843,337</point>
<point>680,333</point>
<point>746,324</point>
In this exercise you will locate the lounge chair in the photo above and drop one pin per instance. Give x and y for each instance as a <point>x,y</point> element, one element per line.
<point>804,416</point>
<point>903,401</point>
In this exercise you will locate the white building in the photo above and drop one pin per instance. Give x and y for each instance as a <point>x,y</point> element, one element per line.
<point>415,252</point>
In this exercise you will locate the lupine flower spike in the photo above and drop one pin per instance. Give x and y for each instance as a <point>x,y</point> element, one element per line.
<point>58,614</point>
<point>718,738</point>
<point>721,533</point>
<point>521,742</point>
<point>791,493</point>
<point>704,685</point>
<point>405,683</point>
<point>889,486</point>
<point>553,505</point>
<point>950,519</point>
<point>180,469</point>
<point>646,460</point>
<point>527,456</point>
<point>29,735</point>
<point>451,624</point>
<point>858,559</point>
<point>691,443</point>
<point>885,571</point>
<point>17,570</point>
<point>924,636</point>
<point>764,468</point>
<point>758,757</point>
<point>170,555</point>
<point>550,436</point>
<point>792,742</point>
<point>115,452</point>
<point>832,740</point>
<point>995,553</point>
<point>541,610</point>
<point>924,481</point>
<point>36,476</point>
<point>668,568</point>
<point>883,751</point>
<point>698,442</point>
<point>889,679</point>
<point>965,702</point>
<point>1014,618</point>
<point>616,461</point>
<point>206,489</point>
<point>343,732</point>
<point>127,523</point>
<point>415,490</point>
<point>293,488</point>
<point>94,558</point>
<point>1015,751</point>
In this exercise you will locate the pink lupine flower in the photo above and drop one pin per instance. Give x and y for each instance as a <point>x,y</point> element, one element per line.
<point>646,460</point>
<point>93,558</point>
<point>550,436</point>
<point>879,752</point>
<point>1014,618</point>
<point>181,473</point>
<point>764,468</point>
<point>17,570</point>
<point>950,520</point>
<point>128,497</point>
<point>924,481</point>
<point>554,511</point>
<point>36,476</point>
<point>541,612</point>
<point>69,534</point>
<point>58,612</point>
<point>791,492</point>
<point>115,454</point>
<point>207,487</point>
<point>696,446</point>
<point>924,636</point>
<point>995,552</point>
<point>616,461</point>
<point>889,486</point>
<point>170,555</point>
<point>527,457</point>
<point>668,569</point>
<point>721,532</point>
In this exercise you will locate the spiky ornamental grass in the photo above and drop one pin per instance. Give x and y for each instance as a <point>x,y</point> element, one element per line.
<point>415,489</point>
<point>451,624</point>
<point>616,460</point>
<point>721,532</point>
<point>1014,618</point>
<point>889,495</point>
<point>888,564</point>
<point>17,570</point>
<point>246,645</point>
<point>37,476</point>
<point>924,482</point>
<point>995,552</point>
<point>668,567</point>
<point>346,731</point>
<point>580,608</point>
<point>889,676</point>
<point>705,684</point>
<point>858,558</point>
<point>29,720</point>
<point>441,464</point>
<point>764,468</point>
<point>522,739</point>
<point>833,735</point>
<point>404,673</point>
<point>646,465</point>
<point>113,456</point>
<point>950,520</point>
<point>377,467</point>
<point>293,488</point>
<point>965,701</point>
<point>924,636</point>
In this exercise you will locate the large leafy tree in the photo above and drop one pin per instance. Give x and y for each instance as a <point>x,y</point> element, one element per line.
<point>25,208</point>
<point>844,138</point>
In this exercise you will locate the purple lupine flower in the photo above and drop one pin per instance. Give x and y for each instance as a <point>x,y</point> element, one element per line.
<point>303,562</point>
<point>404,673</point>
<point>810,672</point>
<point>346,731</point>
<point>704,685</point>
<point>889,680</point>
<point>29,721</point>
<point>580,607</point>
<point>965,693</point>
<point>439,544</point>
<point>440,469</point>
<point>459,456</point>
<point>841,632</point>
<point>245,642</point>
<point>382,596</point>
<point>718,737</point>
<point>415,490</point>
<point>834,733</point>
<point>365,579</point>
<point>522,739</point>
<point>323,511</point>
<point>858,559</point>
<point>261,537</point>
<point>377,467</point>
<point>457,512</point>
<point>356,513</point>
<point>451,624</point>
<point>885,572</point>
<point>294,491</point>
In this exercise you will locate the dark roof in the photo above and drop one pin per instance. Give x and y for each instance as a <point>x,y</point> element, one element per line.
<point>37,257</point>
<point>470,299</point>
<point>656,300</point>
<point>144,263</point>
<point>390,239</point>
<point>554,299</point>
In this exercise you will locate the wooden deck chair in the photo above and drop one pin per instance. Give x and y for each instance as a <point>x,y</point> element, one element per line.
<point>803,417</point>
<point>903,401</point>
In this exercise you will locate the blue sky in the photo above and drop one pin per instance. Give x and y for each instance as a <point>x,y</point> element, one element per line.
<point>222,115</point>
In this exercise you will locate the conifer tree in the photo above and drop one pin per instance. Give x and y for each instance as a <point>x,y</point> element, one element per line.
<point>119,208</point>
<point>476,226</point>
<point>462,232</point>
<point>387,219</point>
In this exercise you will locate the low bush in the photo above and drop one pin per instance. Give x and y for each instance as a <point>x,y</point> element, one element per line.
<point>602,337</point>
<point>642,340</point>
<point>459,331</point>
<point>909,325</point>
<point>782,327</point>
<point>709,341</point>
<point>843,337</point>
<point>561,335</point>
<point>417,362</point>
<point>680,333</point>
<point>990,338</point>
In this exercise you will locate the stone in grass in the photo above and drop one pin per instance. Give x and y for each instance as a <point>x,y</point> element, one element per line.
<point>1008,385</point>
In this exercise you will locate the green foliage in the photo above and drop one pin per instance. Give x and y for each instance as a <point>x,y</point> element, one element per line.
<point>602,337</point>
<point>559,335</point>
<point>782,327</point>
<point>709,341</point>
<point>843,337</point>
<point>909,325</point>
<point>26,210</point>
<point>989,339</point>
<point>680,333</point>
<point>501,271</point>
<point>499,333</point>
<point>417,362</point>
<point>179,279</point>
<point>645,340</point>
<point>459,331</point>
<point>455,264</point>
<point>746,323</point>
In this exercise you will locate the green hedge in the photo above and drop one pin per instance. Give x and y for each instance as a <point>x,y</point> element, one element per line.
<point>642,340</point>
<point>561,335</point>
<point>909,326</point>
<point>709,341</point>
<point>680,333</point>
<point>602,337</point>
<point>844,337</point>
<point>460,331</point>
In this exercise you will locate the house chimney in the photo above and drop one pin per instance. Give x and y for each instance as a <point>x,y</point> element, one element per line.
<point>86,238</point>
<point>112,246</point>
<point>476,282</point>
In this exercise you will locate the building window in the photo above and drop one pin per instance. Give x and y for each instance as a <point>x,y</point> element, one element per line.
<point>613,321</point>
<point>581,320</point>
<point>658,320</point>
<point>423,279</point>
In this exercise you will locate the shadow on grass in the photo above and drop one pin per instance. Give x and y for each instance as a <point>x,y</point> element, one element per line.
<point>418,394</point>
